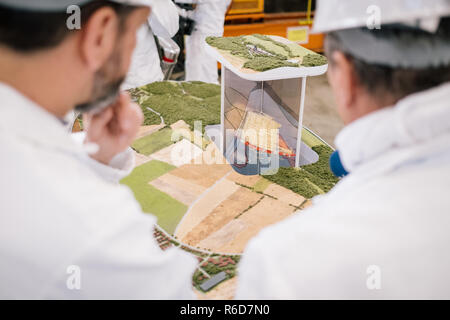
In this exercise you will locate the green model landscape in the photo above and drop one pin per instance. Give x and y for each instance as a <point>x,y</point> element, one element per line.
<point>168,210</point>
<point>154,142</point>
<point>192,101</point>
<point>188,101</point>
<point>264,53</point>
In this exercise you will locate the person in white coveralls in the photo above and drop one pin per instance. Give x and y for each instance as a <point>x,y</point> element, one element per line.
<point>145,64</point>
<point>68,230</point>
<point>383,232</point>
<point>209,17</point>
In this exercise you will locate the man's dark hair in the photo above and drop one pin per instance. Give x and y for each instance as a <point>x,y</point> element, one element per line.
<point>29,31</point>
<point>396,83</point>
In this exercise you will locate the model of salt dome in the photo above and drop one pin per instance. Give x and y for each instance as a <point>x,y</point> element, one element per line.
<point>262,111</point>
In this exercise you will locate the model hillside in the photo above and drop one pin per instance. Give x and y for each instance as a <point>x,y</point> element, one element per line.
<point>261,53</point>
<point>173,101</point>
<point>191,101</point>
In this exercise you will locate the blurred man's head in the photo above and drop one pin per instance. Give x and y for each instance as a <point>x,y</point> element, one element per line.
<point>96,58</point>
<point>361,87</point>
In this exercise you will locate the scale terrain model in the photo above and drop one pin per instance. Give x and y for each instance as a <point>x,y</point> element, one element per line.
<point>263,96</point>
<point>261,53</point>
<point>210,210</point>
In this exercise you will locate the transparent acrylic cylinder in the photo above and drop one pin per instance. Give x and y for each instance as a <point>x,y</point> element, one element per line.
<point>260,123</point>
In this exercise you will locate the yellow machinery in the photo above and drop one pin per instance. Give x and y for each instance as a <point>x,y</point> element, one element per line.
<point>248,17</point>
<point>246,6</point>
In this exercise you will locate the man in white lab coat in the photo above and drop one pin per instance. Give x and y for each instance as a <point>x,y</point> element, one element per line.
<point>145,65</point>
<point>209,17</point>
<point>383,232</point>
<point>68,230</point>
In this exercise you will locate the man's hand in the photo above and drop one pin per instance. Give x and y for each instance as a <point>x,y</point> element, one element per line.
<point>114,129</point>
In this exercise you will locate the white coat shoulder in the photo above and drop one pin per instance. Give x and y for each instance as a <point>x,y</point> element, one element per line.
<point>363,240</point>
<point>58,213</point>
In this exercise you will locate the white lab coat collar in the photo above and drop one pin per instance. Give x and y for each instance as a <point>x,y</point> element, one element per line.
<point>414,120</point>
<point>22,117</point>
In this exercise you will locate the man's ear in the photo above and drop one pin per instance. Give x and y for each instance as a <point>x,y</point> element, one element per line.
<point>98,38</point>
<point>342,76</point>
